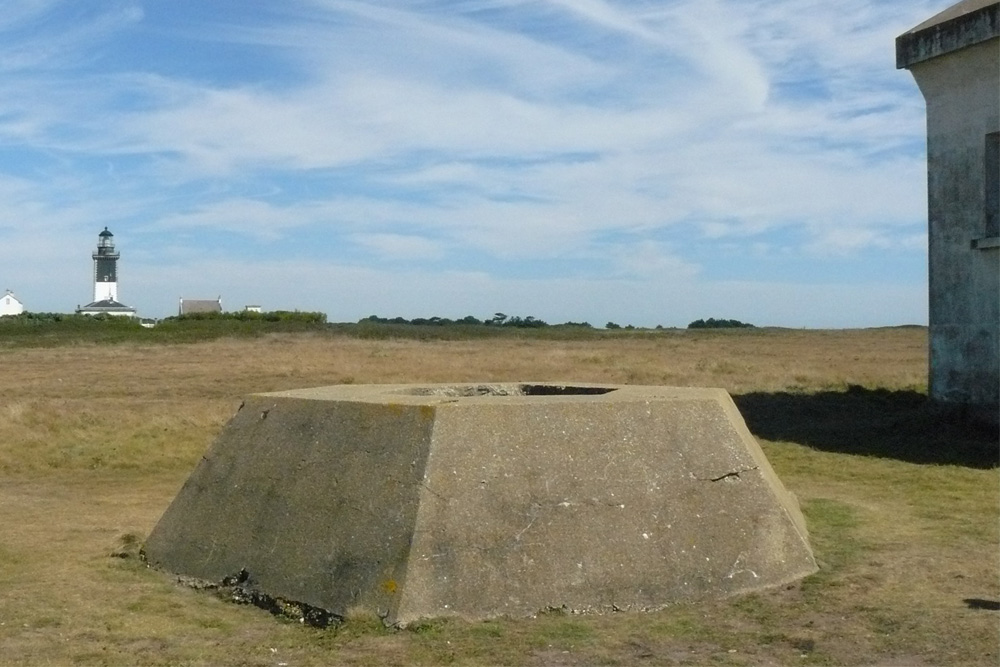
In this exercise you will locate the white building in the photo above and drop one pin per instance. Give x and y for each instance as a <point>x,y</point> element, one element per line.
<point>955,58</point>
<point>106,280</point>
<point>10,305</point>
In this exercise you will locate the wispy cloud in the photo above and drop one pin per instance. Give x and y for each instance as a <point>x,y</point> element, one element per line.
<point>600,137</point>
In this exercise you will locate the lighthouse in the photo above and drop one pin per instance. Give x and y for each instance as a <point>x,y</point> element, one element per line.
<point>106,280</point>
<point>106,267</point>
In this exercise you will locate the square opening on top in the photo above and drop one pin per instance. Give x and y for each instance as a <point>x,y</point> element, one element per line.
<point>520,389</point>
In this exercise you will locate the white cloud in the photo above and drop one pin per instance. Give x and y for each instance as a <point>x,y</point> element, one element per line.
<point>400,246</point>
<point>652,261</point>
<point>542,130</point>
<point>608,16</point>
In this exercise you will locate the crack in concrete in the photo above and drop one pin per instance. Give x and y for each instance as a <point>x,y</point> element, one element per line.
<point>735,473</point>
<point>240,588</point>
<point>517,538</point>
<point>432,491</point>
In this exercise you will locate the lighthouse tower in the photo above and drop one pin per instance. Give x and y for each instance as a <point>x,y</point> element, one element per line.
<point>106,280</point>
<point>106,268</point>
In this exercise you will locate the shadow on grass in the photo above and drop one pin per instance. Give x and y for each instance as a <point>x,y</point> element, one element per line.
<point>901,425</point>
<point>979,603</point>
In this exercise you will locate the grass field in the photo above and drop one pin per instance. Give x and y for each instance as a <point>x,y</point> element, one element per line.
<point>902,502</point>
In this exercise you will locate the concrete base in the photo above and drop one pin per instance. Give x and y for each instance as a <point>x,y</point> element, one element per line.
<point>486,500</point>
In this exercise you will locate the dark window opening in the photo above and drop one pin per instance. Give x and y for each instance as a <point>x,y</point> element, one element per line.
<point>992,185</point>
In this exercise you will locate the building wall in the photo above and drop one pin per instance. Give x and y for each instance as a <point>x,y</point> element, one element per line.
<point>962,91</point>
<point>10,306</point>
<point>124,311</point>
<point>104,291</point>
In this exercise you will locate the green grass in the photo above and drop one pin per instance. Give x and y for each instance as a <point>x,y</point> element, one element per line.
<point>833,533</point>
<point>903,507</point>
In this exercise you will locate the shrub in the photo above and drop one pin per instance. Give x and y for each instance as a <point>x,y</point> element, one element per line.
<point>712,323</point>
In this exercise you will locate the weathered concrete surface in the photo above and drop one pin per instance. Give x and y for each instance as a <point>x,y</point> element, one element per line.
<point>965,23</point>
<point>486,500</point>
<point>955,60</point>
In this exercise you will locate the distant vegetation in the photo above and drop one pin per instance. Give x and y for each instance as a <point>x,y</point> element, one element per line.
<point>27,319</point>
<point>468,327</point>
<point>712,323</point>
<point>34,323</point>
<point>498,320</point>
<point>51,329</point>
<point>303,317</point>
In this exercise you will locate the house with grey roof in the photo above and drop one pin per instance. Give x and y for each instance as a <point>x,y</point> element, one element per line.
<point>955,59</point>
<point>192,306</point>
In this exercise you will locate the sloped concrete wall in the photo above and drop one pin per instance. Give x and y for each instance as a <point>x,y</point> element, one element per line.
<point>315,499</point>
<point>486,500</point>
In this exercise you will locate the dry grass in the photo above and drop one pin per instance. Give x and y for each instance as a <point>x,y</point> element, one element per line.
<point>95,441</point>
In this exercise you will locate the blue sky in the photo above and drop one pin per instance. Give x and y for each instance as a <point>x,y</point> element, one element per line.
<point>640,161</point>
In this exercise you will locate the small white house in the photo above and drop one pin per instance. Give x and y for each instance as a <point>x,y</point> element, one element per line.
<point>10,305</point>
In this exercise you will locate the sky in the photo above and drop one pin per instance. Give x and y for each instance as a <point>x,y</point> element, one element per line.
<point>646,162</point>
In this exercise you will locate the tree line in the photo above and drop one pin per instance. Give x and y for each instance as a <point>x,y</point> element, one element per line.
<point>498,320</point>
<point>298,316</point>
<point>712,323</point>
<point>529,322</point>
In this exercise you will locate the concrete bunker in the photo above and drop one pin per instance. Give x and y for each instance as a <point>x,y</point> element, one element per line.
<point>483,500</point>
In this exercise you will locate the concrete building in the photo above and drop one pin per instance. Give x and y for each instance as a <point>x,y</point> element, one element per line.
<point>955,59</point>
<point>10,305</point>
<point>106,280</point>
